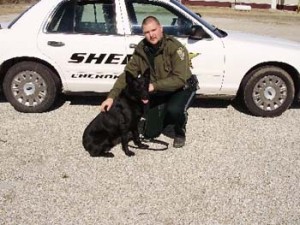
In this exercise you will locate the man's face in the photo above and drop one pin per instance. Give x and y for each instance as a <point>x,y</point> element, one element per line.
<point>153,32</point>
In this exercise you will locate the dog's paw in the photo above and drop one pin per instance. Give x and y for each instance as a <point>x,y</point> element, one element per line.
<point>129,153</point>
<point>102,154</point>
<point>108,155</point>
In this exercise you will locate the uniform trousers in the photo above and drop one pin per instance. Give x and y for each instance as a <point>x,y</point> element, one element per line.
<point>175,107</point>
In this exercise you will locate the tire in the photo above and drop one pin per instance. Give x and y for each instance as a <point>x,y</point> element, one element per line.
<point>30,87</point>
<point>269,91</point>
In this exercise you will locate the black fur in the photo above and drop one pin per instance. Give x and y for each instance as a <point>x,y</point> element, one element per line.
<point>105,131</point>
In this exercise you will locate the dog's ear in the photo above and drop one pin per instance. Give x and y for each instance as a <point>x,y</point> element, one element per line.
<point>129,77</point>
<point>147,73</point>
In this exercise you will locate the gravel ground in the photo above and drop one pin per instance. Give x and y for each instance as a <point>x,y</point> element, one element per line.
<point>234,169</point>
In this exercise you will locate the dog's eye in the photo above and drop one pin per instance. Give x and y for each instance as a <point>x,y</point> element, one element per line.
<point>139,76</point>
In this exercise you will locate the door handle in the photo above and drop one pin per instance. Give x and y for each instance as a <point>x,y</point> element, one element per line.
<point>56,43</point>
<point>132,45</point>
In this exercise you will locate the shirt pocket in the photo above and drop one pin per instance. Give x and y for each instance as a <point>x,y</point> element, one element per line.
<point>166,63</point>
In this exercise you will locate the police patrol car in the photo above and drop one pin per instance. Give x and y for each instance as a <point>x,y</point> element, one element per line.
<point>81,46</point>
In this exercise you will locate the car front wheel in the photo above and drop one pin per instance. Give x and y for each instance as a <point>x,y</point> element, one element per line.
<point>30,87</point>
<point>269,91</point>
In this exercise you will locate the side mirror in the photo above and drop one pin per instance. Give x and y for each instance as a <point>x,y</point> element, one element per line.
<point>198,14</point>
<point>198,33</point>
<point>174,21</point>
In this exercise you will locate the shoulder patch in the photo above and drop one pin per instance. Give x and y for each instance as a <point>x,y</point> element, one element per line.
<point>181,54</point>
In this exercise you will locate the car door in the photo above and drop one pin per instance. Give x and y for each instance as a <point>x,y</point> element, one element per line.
<point>206,55</point>
<point>85,42</point>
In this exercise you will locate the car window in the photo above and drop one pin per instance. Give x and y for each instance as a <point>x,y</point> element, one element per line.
<point>173,22</point>
<point>87,17</point>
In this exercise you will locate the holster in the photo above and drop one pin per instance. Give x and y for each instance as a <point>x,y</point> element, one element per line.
<point>192,83</point>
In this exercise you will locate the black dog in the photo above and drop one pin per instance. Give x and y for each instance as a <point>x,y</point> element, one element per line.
<point>105,131</point>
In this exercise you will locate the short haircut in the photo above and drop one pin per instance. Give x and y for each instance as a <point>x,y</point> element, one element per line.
<point>149,19</point>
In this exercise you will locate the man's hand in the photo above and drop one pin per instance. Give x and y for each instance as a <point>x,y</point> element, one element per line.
<point>106,105</point>
<point>151,88</point>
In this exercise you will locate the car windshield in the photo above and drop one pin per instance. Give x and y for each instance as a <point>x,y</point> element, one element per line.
<point>217,31</point>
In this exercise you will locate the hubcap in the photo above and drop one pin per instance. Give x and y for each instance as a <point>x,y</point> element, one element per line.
<point>269,93</point>
<point>29,88</point>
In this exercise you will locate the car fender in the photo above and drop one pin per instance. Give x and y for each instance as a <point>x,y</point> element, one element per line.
<point>27,50</point>
<point>260,51</point>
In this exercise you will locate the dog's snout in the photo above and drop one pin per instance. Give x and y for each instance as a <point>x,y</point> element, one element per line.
<point>145,97</point>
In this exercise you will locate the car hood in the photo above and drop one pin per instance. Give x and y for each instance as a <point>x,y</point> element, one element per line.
<point>260,41</point>
<point>4,24</point>
<point>258,49</point>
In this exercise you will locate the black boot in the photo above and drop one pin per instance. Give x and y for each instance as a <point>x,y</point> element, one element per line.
<point>179,140</point>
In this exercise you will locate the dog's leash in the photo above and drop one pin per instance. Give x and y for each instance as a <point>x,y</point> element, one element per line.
<point>151,140</point>
<point>155,141</point>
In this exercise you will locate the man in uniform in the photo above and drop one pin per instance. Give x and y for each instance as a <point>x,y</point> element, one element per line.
<point>169,64</point>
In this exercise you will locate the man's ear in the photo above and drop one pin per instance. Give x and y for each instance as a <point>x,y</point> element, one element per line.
<point>161,29</point>
<point>129,77</point>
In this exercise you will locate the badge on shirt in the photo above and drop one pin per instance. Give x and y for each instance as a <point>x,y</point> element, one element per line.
<point>191,56</point>
<point>180,53</point>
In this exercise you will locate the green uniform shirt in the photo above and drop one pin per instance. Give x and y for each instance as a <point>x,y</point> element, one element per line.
<point>170,68</point>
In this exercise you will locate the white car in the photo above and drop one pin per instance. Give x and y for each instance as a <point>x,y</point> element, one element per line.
<point>81,46</point>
